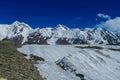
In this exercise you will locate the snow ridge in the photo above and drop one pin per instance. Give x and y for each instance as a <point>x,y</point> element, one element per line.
<point>23,33</point>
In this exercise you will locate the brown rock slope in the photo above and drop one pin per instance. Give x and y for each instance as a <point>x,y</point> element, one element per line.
<point>14,65</point>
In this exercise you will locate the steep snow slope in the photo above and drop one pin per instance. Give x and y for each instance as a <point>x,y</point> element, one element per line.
<point>71,63</point>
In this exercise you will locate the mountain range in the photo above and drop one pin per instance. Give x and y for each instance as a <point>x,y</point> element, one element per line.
<point>21,32</point>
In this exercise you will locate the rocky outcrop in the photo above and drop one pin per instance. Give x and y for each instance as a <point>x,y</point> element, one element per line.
<point>66,65</point>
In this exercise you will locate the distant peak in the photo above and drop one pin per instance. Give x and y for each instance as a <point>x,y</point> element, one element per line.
<point>93,29</point>
<point>16,22</point>
<point>61,27</point>
<point>20,24</point>
<point>98,29</point>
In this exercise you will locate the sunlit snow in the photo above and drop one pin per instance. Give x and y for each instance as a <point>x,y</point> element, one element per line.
<point>94,64</point>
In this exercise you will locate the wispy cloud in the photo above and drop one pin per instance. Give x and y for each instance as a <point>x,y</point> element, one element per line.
<point>104,16</point>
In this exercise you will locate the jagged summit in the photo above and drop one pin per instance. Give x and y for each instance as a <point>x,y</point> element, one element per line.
<point>21,25</point>
<point>61,27</point>
<point>16,22</point>
<point>23,33</point>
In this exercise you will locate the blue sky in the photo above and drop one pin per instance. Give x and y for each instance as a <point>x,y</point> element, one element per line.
<point>49,13</point>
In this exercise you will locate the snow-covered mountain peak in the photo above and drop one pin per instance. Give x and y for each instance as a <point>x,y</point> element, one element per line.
<point>23,33</point>
<point>19,30</point>
<point>94,29</point>
<point>97,29</point>
<point>61,27</point>
<point>18,24</point>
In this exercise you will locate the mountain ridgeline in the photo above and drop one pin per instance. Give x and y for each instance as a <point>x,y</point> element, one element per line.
<point>20,32</point>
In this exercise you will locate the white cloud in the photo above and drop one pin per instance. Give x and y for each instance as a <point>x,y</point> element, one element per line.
<point>111,24</point>
<point>104,16</point>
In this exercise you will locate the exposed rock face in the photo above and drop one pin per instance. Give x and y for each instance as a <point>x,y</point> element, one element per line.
<point>23,33</point>
<point>36,38</point>
<point>79,41</point>
<point>68,66</point>
<point>62,41</point>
